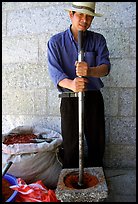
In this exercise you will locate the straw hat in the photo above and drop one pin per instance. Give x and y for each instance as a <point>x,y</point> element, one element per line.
<point>84,7</point>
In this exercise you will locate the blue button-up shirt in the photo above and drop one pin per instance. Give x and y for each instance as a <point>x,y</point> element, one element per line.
<point>63,52</point>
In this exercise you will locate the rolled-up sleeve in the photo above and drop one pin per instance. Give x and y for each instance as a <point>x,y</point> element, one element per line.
<point>103,53</point>
<point>54,67</point>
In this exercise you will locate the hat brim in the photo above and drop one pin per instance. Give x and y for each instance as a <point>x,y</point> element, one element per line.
<point>84,11</point>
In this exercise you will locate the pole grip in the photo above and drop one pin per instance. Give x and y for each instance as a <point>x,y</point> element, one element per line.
<point>80,46</point>
<point>80,40</point>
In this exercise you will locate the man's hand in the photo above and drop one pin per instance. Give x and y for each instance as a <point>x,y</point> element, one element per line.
<point>81,68</point>
<point>79,84</point>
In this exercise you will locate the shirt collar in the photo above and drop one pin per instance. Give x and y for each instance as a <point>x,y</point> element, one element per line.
<point>70,33</point>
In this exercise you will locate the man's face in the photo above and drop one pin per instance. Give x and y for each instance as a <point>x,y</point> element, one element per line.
<point>80,21</point>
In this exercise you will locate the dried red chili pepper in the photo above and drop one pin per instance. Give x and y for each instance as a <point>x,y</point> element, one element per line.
<point>19,138</point>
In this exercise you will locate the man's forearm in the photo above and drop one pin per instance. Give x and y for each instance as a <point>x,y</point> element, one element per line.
<point>66,83</point>
<point>99,71</point>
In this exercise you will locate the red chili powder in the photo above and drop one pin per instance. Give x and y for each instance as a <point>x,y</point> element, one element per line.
<point>71,180</point>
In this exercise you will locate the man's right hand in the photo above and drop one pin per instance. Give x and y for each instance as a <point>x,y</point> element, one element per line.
<point>79,84</point>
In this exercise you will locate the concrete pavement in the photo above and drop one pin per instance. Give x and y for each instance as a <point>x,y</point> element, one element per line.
<point>121,185</point>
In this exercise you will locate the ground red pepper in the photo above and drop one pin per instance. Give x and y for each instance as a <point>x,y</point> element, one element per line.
<point>71,180</point>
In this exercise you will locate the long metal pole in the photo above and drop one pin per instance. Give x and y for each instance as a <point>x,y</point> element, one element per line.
<point>81,113</point>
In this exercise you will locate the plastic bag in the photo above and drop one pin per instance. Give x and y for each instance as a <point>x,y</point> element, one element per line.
<point>34,192</point>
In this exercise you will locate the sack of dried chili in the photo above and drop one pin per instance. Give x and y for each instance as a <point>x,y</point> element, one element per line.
<point>32,160</point>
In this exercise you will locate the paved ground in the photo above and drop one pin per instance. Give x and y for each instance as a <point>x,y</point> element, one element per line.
<point>121,185</point>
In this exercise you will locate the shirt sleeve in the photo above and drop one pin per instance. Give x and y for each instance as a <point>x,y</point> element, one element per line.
<point>55,70</point>
<point>103,53</point>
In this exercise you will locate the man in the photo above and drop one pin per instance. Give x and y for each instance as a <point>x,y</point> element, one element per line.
<point>65,72</point>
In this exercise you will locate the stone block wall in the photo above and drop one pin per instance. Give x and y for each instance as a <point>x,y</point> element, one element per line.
<point>28,95</point>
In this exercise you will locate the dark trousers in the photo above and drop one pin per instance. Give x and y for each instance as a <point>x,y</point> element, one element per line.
<point>94,129</point>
